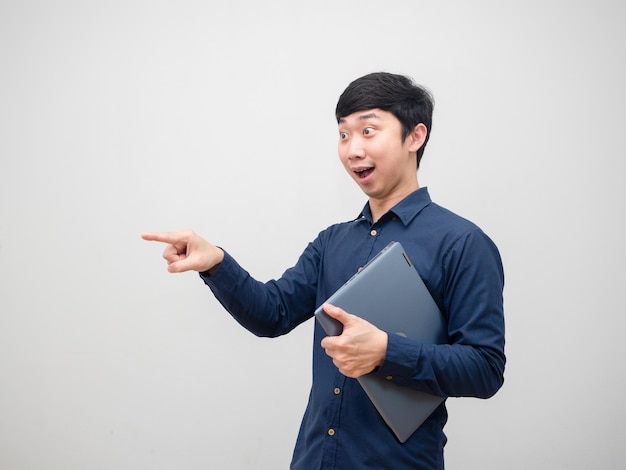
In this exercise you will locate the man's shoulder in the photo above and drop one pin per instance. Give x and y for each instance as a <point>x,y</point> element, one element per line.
<point>457,234</point>
<point>447,219</point>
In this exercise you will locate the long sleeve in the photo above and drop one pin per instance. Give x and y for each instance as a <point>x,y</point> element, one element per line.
<point>473,363</point>
<point>270,308</point>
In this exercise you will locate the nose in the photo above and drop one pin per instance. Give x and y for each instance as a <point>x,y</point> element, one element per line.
<point>355,148</point>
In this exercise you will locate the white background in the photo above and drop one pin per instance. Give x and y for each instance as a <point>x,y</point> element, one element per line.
<point>121,117</point>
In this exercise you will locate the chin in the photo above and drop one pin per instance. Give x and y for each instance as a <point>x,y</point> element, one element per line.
<point>369,192</point>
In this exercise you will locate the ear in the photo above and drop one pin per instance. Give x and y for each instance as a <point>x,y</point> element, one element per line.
<point>417,137</point>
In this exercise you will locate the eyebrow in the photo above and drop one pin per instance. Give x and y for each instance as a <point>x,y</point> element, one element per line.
<point>363,117</point>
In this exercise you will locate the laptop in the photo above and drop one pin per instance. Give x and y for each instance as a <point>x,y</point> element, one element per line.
<point>389,293</point>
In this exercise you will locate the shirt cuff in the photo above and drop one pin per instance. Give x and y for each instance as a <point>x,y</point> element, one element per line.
<point>223,272</point>
<point>400,360</point>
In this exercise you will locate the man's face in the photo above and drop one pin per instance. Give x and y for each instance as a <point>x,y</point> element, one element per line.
<point>374,155</point>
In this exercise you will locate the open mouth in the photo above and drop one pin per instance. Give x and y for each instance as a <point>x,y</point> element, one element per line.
<point>362,173</point>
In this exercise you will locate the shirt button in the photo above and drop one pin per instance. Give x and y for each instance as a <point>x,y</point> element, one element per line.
<point>337,391</point>
<point>373,233</point>
<point>331,432</point>
<point>389,377</point>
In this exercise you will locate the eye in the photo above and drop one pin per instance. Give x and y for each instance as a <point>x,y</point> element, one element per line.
<point>368,131</point>
<point>343,135</point>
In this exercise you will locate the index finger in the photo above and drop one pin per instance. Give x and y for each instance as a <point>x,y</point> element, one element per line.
<point>165,237</point>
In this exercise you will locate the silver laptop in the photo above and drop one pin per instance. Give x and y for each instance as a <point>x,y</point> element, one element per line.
<point>389,293</point>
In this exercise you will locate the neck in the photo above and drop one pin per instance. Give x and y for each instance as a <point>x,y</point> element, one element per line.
<point>380,207</point>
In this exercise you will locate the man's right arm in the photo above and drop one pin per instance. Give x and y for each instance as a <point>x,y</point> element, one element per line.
<point>268,308</point>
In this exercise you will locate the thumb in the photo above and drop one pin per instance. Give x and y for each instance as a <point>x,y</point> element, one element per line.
<point>337,313</point>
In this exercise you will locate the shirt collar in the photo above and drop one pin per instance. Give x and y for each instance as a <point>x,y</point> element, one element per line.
<point>405,210</point>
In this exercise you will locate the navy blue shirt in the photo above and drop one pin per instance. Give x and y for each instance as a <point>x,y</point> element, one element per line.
<point>462,269</point>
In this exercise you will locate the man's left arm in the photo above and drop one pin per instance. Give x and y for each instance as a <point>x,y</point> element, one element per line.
<point>472,364</point>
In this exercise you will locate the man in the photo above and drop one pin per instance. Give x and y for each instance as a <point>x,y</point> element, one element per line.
<point>384,124</point>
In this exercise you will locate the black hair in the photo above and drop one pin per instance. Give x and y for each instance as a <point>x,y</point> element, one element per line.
<point>410,103</point>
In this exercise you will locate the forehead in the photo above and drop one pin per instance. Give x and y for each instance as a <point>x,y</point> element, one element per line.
<point>367,115</point>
